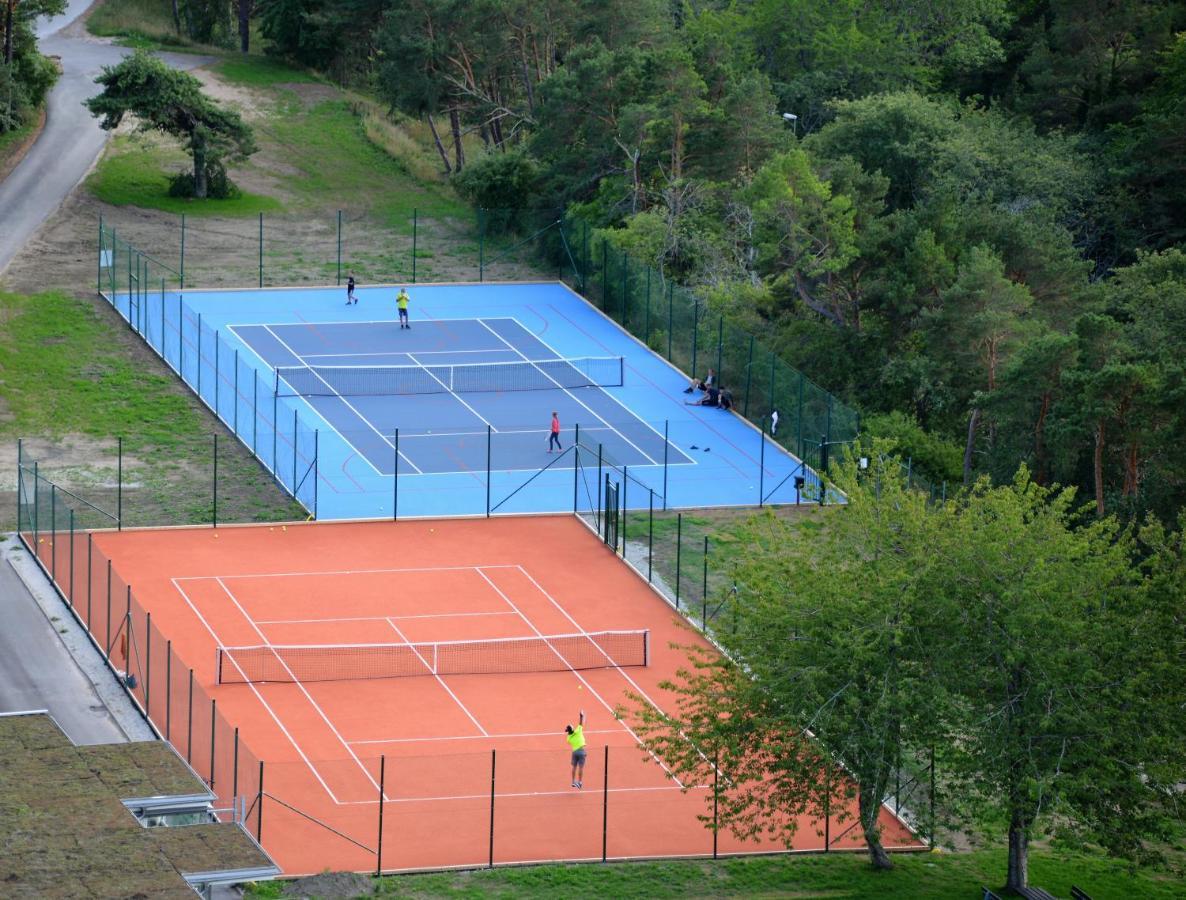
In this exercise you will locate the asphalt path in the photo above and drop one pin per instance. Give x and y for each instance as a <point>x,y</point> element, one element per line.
<point>72,139</point>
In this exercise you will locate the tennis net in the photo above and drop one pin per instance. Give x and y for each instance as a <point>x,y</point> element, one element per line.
<point>517,375</point>
<point>342,662</point>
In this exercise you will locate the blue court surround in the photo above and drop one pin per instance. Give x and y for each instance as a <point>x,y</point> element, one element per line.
<point>234,340</point>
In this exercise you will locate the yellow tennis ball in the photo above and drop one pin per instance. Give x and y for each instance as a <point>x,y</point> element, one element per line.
<point>580,687</point>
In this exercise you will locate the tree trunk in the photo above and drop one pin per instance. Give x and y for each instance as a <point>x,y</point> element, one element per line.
<point>244,25</point>
<point>1041,473</point>
<point>1018,856</point>
<point>458,152</point>
<point>440,147</point>
<point>200,169</point>
<point>9,13</point>
<point>176,17</point>
<point>973,421</point>
<point>870,807</point>
<point>1098,469</point>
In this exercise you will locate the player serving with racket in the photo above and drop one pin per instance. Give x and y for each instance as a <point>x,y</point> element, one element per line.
<point>576,740</point>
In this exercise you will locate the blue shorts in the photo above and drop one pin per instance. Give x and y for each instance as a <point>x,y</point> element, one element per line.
<point>578,757</point>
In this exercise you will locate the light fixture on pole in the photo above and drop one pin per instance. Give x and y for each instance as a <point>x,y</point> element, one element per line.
<point>794,120</point>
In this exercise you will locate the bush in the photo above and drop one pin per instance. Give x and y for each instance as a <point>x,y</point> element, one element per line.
<point>936,458</point>
<point>499,181</point>
<point>218,184</point>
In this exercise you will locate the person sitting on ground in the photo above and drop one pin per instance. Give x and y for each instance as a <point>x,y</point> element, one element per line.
<point>726,399</point>
<point>702,384</point>
<point>711,398</point>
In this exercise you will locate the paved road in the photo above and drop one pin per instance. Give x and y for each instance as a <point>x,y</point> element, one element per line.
<point>38,671</point>
<point>72,139</point>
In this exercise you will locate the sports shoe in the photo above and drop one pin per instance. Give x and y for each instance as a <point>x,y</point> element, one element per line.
<point>574,784</point>
<point>580,784</point>
<point>687,390</point>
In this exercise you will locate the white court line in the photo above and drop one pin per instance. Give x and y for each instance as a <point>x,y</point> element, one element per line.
<point>404,352</point>
<point>526,358</point>
<point>298,683</point>
<point>386,440</point>
<point>349,572</point>
<point>433,434</point>
<point>451,392</point>
<point>477,737</point>
<point>619,670</point>
<point>305,324</point>
<point>568,793</point>
<point>275,718</point>
<point>275,426</point>
<point>403,637</point>
<point>632,413</point>
<point>380,618</point>
<point>579,676</point>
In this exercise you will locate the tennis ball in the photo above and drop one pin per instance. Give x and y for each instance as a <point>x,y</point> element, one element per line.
<point>580,687</point>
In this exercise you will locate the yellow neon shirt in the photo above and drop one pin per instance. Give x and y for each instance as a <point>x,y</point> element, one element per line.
<point>576,740</point>
<point>402,300</point>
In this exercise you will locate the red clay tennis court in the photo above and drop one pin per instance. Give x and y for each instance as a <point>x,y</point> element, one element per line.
<point>466,750</point>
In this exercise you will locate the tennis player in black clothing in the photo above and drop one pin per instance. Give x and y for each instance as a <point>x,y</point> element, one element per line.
<point>350,298</point>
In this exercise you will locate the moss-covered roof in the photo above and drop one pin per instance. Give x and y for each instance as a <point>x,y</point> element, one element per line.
<point>66,832</point>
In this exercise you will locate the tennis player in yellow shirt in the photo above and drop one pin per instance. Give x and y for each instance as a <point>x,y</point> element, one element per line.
<point>576,740</point>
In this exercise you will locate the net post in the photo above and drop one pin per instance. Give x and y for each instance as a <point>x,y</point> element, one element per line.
<point>679,546</point>
<point>762,465</point>
<point>189,726</point>
<point>646,647</point>
<point>382,779</point>
<point>259,806</point>
<point>395,479</point>
<point>716,794</point>
<point>415,223</point>
<point>168,689</point>
<point>218,667</point>
<point>213,730</point>
<point>493,759</point>
<point>214,516</point>
<point>119,484</point>
<point>605,804</point>
<point>339,247</point>
<point>489,438</point>
<point>148,665</point>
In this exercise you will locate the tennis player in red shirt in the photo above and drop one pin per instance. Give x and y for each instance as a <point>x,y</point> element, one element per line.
<point>554,437</point>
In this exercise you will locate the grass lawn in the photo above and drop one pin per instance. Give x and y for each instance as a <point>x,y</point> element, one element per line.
<point>136,173</point>
<point>75,379</point>
<point>915,876</point>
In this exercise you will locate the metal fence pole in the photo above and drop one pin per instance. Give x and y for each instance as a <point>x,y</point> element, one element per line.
<point>53,532</point>
<point>481,244</point>
<point>716,795</point>
<point>168,689</point>
<point>670,315</point>
<point>339,247</point>
<point>679,544</point>
<point>650,534</point>
<point>489,438</point>
<point>605,804</point>
<point>749,372</point>
<point>762,465</point>
<point>261,250</point>
<point>647,327</point>
<point>625,481</point>
<point>213,731</point>
<point>70,598</point>
<point>119,484</point>
<point>704,588</point>
<point>666,444</point>
<point>259,806</point>
<point>382,779</point>
<point>254,408</point>
<point>148,665</point>
<point>107,624</point>
<point>214,518</point>
<point>414,230</point>
<point>395,480</point>
<point>182,273</point>
<point>235,768</point>
<point>189,720</point>
<point>235,396</point>
<point>720,347</point>
<point>493,758</point>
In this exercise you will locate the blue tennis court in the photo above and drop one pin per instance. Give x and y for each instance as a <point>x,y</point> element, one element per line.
<point>359,418</point>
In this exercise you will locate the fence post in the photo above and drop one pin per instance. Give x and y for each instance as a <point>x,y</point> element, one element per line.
<point>762,465</point>
<point>189,720</point>
<point>36,506</point>
<point>650,534</point>
<point>168,689</point>
<point>316,454</point>
<point>382,779</point>
<point>259,806</point>
<point>716,795</point>
<point>53,533</point>
<point>666,443</point>
<point>605,804</point>
<point>625,276</point>
<point>749,366</point>
<point>261,249</point>
<point>598,516</point>
<point>414,229</point>
<point>254,409</point>
<point>107,623</point>
<point>827,807</point>
<point>199,361</point>
<point>625,480</point>
<point>235,769</point>
<point>148,665</point>
<point>481,244</point>
<point>704,589</point>
<point>932,829</point>
<point>493,756</point>
<point>489,438</point>
<point>395,480</point>
<point>213,731</point>
<point>576,471</point>
<point>696,333</point>
<point>604,277</point>
<point>70,599</point>
<point>182,273</point>
<point>679,544</point>
<point>720,346</point>
<point>99,267</point>
<point>295,426</point>
<point>215,515</point>
<point>119,484</point>
<point>339,247</point>
<point>647,328</point>
<point>235,395</point>
<point>670,316</point>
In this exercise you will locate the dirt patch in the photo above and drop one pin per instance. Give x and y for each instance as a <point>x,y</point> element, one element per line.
<point>330,886</point>
<point>250,104</point>
<point>312,94</point>
<point>12,158</point>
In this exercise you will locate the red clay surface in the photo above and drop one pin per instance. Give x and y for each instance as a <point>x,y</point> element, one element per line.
<point>321,742</point>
